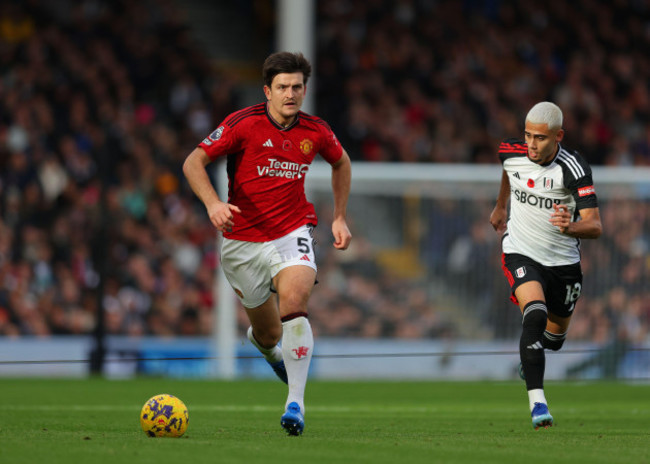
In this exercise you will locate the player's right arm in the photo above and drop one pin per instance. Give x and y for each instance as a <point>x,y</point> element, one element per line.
<point>589,225</point>
<point>219,212</point>
<point>499,216</point>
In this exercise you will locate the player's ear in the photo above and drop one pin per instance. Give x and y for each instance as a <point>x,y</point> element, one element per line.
<point>267,92</point>
<point>560,135</point>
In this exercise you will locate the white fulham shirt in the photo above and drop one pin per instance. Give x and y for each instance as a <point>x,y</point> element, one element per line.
<point>534,189</point>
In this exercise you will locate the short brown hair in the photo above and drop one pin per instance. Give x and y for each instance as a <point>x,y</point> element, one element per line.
<point>285,62</point>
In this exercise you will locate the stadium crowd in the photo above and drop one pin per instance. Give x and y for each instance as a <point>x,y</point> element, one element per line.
<point>100,102</point>
<point>446,80</point>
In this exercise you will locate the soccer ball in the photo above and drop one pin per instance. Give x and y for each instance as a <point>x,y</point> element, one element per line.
<point>164,416</point>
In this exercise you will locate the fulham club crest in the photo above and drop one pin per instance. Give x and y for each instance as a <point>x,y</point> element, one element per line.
<point>520,272</point>
<point>548,183</point>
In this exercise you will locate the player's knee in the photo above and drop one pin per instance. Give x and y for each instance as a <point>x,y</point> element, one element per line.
<point>268,337</point>
<point>534,323</point>
<point>535,317</point>
<point>553,341</point>
<point>294,302</point>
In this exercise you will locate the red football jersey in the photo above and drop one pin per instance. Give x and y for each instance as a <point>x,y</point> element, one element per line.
<point>267,164</point>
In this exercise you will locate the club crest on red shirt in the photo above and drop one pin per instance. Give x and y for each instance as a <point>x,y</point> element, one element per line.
<point>306,146</point>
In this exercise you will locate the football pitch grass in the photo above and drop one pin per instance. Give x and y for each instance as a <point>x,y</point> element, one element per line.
<point>97,421</point>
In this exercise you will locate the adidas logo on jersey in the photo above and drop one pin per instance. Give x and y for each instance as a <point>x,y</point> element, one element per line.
<point>305,258</point>
<point>268,143</point>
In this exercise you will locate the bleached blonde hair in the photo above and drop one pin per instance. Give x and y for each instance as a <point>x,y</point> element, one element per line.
<point>546,113</point>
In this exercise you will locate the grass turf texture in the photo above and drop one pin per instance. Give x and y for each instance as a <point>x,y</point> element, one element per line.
<point>97,421</point>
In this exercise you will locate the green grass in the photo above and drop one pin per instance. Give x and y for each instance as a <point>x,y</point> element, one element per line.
<point>96,421</point>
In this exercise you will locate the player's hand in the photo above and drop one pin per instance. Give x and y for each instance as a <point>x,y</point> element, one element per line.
<point>342,235</point>
<point>221,215</point>
<point>499,219</point>
<point>561,217</point>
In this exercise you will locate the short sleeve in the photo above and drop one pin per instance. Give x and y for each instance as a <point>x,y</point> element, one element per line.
<point>511,148</point>
<point>331,149</point>
<point>222,141</point>
<point>583,192</point>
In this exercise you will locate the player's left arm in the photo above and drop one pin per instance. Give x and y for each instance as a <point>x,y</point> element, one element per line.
<point>581,184</point>
<point>341,180</point>
<point>589,225</point>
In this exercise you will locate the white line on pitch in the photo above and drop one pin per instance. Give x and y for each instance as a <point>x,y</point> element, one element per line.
<point>217,408</point>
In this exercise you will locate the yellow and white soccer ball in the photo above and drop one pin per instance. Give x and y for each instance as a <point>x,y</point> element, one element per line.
<point>164,416</point>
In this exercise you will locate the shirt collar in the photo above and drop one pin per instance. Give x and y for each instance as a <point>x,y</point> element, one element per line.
<point>277,124</point>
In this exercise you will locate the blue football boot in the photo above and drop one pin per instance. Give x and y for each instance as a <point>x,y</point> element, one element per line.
<point>541,416</point>
<point>280,370</point>
<point>292,420</point>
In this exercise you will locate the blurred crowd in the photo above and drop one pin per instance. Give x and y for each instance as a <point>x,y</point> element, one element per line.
<point>447,80</point>
<point>465,253</point>
<point>616,293</point>
<point>100,102</point>
<point>459,290</point>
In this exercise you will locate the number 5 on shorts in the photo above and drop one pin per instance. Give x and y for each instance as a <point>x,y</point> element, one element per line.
<point>303,246</point>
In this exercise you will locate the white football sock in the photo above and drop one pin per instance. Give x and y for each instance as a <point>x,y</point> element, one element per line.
<point>536,396</point>
<point>270,354</point>
<point>297,347</point>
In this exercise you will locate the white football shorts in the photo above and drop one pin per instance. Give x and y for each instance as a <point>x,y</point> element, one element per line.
<point>251,266</point>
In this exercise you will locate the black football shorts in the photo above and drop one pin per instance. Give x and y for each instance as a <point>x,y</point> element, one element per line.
<point>561,284</point>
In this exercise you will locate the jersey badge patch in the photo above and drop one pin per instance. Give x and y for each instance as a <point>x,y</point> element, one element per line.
<point>548,183</point>
<point>216,135</point>
<point>530,183</point>
<point>306,146</point>
<point>584,191</point>
<point>520,272</point>
<point>286,145</point>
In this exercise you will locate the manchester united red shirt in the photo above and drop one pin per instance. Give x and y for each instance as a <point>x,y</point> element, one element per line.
<point>267,165</point>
